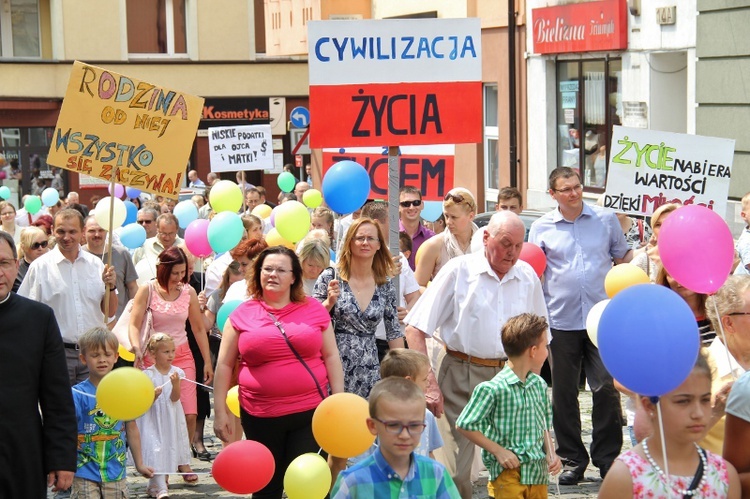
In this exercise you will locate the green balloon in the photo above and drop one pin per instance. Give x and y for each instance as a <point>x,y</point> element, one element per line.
<point>286,182</point>
<point>225,311</point>
<point>225,231</point>
<point>33,204</point>
<point>4,192</point>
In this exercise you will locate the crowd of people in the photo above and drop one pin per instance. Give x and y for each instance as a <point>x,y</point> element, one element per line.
<point>450,363</point>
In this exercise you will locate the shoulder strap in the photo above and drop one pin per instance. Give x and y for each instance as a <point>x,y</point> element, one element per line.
<point>698,474</point>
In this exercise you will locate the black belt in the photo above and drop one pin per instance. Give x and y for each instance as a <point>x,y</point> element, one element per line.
<point>74,346</point>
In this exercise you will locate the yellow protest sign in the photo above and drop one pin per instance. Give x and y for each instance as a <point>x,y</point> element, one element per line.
<point>112,124</point>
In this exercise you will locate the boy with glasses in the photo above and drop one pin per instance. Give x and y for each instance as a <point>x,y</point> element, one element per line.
<point>397,412</point>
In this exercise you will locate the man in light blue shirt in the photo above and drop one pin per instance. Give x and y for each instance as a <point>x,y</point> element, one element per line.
<point>581,242</point>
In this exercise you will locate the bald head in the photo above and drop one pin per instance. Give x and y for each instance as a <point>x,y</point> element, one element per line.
<point>504,220</point>
<point>300,188</point>
<point>503,241</point>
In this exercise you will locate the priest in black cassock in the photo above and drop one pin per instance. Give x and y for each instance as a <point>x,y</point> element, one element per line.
<point>38,432</point>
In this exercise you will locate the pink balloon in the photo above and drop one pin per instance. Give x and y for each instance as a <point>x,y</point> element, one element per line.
<point>119,190</point>
<point>196,238</point>
<point>696,248</point>
<point>534,256</point>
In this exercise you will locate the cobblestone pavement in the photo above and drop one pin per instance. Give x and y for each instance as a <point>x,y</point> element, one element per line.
<point>207,487</point>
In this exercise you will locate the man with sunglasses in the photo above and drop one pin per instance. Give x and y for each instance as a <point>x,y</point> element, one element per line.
<point>147,220</point>
<point>166,236</point>
<point>581,242</point>
<point>410,207</point>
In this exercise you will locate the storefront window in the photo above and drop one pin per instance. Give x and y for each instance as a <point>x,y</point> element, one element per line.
<point>589,104</point>
<point>491,167</point>
<point>19,28</point>
<point>156,27</point>
<point>26,150</point>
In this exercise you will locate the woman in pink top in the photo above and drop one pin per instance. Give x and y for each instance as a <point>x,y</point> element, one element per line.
<point>172,304</point>
<point>279,389</point>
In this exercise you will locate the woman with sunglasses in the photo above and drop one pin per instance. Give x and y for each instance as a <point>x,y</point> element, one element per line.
<point>8,218</point>
<point>34,244</point>
<point>459,208</point>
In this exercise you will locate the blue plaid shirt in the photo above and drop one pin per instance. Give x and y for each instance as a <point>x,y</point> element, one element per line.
<point>373,477</point>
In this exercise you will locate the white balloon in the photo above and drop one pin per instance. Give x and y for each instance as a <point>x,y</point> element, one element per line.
<point>592,321</point>
<point>101,213</point>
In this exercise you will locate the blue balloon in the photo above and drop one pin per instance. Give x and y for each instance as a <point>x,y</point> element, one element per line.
<point>656,355</point>
<point>225,231</point>
<point>346,186</point>
<point>225,311</point>
<point>186,212</point>
<point>132,192</point>
<point>432,210</point>
<point>131,213</point>
<point>133,236</point>
<point>50,196</point>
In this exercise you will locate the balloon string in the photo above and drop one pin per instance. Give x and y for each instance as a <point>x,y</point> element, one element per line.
<point>663,442</point>
<point>548,438</point>
<point>724,340</point>
<point>84,393</point>
<point>182,473</point>
<point>189,380</point>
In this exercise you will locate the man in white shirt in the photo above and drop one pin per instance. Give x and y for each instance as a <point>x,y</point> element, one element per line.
<point>144,258</point>
<point>469,300</point>
<point>72,282</point>
<point>194,180</point>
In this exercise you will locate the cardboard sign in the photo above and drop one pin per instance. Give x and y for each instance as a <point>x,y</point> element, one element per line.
<point>111,124</point>
<point>648,168</point>
<point>428,168</point>
<point>234,148</point>
<point>396,82</point>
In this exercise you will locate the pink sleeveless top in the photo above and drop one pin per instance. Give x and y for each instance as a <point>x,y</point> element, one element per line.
<point>169,316</point>
<point>648,484</point>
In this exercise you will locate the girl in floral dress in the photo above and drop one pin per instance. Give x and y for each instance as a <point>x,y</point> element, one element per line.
<point>693,471</point>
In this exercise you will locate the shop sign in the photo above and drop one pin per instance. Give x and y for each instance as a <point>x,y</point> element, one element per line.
<point>581,27</point>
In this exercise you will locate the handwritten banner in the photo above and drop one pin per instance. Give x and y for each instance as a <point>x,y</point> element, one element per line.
<point>648,168</point>
<point>235,148</point>
<point>112,124</point>
<point>428,168</point>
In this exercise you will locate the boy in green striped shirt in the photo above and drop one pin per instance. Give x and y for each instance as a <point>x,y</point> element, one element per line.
<point>510,415</point>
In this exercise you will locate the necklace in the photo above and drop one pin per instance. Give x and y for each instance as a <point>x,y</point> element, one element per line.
<point>665,478</point>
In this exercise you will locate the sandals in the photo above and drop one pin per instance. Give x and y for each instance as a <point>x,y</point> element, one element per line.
<point>162,494</point>
<point>188,476</point>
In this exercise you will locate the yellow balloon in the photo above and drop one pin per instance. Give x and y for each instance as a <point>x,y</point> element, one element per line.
<point>262,211</point>
<point>225,196</point>
<point>339,425</point>
<point>312,198</point>
<point>233,400</point>
<point>273,238</point>
<point>623,276</point>
<point>307,477</point>
<point>125,394</point>
<point>125,354</point>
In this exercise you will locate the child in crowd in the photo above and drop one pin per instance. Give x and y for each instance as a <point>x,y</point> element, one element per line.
<point>102,452</point>
<point>743,244</point>
<point>397,411</point>
<point>693,472</point>
<point>414,366</point>
<point>509,416</point>
<point>163,426</point>
<point>405,244</point>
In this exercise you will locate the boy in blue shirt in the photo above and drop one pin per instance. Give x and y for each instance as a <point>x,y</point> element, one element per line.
<point>397,411</point>
<point>102,453</point>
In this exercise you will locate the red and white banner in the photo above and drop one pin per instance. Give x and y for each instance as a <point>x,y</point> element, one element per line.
<point>395,82</point>
<point>428,168</point>
<point>581,27</point>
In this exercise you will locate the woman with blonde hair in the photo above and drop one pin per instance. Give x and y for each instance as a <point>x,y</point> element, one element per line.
<point>34,243</point>
<point>8,219</point>
<point>459,208</point>
<point>322,218</point>
<point>314,256</point>
<point>358,298</point>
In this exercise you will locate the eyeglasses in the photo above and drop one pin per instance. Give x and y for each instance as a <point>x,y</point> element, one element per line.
<point>5,214</point>
<point>739,313</point>
<point>7,265</point>
<point>366,239</point>
<point>145,222</point>
<point>168,235</point>
<point>397,427</point>
<point>568,190</point>
<point>36,246</point>
<point>414,202</point>
<point>271,270</point>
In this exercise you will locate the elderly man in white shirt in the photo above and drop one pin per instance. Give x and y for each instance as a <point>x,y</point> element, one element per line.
<point>71,281</point>
<point>144,258</point>
<point>470,300</point>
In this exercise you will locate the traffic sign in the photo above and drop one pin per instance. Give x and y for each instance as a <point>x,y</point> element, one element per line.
<point>300,117</point>
<point>300,140</point>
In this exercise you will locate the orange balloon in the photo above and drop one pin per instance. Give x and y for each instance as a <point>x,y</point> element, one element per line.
<point>622,277</point>
<point>339,425</point>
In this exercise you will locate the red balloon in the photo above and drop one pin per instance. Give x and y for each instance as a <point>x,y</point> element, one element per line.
<point>243,467</point>
<point>534,256</point>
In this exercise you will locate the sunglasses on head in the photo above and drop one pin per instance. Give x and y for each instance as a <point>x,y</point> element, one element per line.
<point>36,246</point>
<point>456,198</point>
<point>406,204</point>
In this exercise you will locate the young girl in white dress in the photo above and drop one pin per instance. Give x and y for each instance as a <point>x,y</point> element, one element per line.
<point>163,429</point>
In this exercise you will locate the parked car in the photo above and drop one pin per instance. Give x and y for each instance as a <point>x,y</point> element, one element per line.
<point>527,216</point>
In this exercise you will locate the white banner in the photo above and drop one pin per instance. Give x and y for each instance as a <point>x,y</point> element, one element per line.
<point>234,148</point>
<point>649,168</point>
